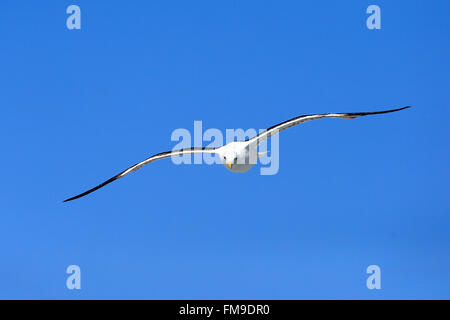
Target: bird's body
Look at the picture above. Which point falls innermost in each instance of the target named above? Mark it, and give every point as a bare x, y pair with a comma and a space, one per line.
237, 156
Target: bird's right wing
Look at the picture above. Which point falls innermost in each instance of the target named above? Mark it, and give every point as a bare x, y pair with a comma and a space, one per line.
137, 166
297, 120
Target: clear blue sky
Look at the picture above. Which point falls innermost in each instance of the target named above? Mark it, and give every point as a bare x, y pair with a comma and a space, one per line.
79, 106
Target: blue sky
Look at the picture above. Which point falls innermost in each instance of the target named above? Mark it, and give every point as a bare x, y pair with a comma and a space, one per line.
79, 106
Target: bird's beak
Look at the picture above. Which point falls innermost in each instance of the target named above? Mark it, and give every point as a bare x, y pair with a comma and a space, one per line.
229, 165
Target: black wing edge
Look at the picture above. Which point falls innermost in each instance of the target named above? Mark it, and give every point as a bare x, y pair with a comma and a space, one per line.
376, 112
356, 114
119, 175
95, 188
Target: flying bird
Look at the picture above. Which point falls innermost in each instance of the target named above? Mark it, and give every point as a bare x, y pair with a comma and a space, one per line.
237, 156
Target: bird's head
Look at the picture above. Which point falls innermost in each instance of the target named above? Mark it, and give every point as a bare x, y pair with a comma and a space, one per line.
229, 160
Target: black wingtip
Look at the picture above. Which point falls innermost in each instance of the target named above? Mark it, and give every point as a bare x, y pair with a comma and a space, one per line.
403, 108
73, 198
95, 188
377, 112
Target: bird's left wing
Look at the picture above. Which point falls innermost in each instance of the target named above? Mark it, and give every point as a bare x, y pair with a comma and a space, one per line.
137, 166
297, 120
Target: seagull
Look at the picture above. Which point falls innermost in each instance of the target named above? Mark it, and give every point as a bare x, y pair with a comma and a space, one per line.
237, 156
